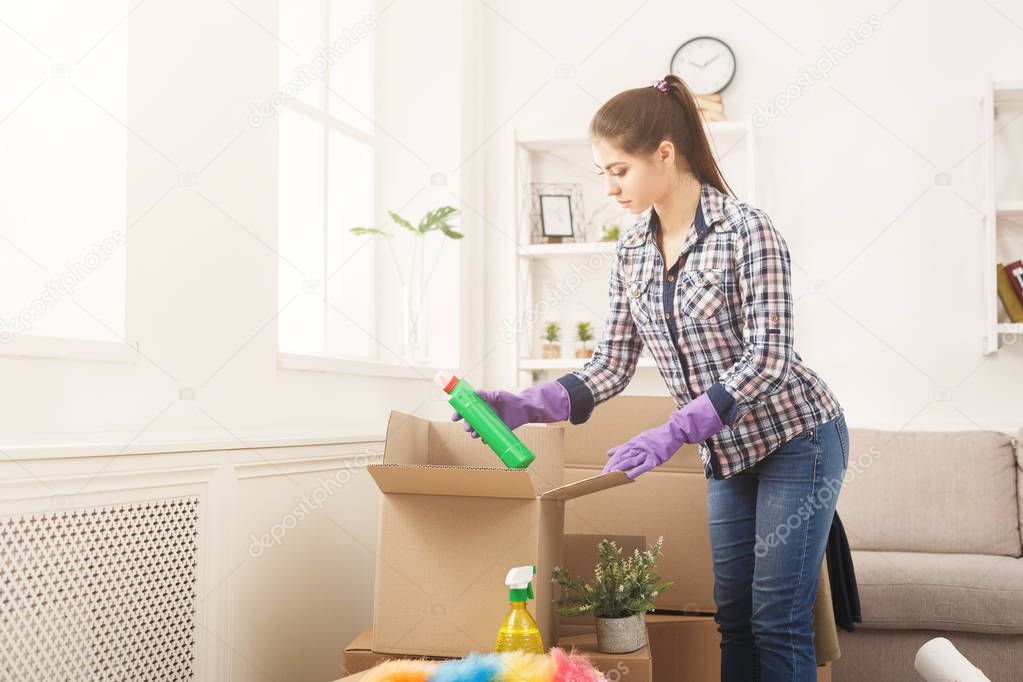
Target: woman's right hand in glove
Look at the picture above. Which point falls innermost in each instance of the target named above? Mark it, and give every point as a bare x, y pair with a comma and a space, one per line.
542, 403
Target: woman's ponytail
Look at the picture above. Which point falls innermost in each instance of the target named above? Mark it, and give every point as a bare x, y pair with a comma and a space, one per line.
638, 120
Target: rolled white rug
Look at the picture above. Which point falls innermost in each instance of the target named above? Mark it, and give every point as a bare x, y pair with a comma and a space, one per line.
939, 661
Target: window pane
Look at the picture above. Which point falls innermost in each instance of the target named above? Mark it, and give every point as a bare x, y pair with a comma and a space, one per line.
301, 67
351, 73
300, 233
349, 257
63, 167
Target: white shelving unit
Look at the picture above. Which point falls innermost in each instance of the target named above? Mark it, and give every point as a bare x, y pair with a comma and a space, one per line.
1000, 214
549, 156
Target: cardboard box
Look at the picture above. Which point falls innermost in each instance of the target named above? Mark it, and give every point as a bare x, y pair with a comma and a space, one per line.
670, 501
672, 505
689, 648
359, 654
635, 666
684, 648
453, 520
616, 421
680, 648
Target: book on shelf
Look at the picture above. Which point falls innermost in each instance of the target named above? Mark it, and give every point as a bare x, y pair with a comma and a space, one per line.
1010, 289
1015, 271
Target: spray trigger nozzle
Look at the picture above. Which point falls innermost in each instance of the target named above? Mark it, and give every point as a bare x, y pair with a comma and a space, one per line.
520, 583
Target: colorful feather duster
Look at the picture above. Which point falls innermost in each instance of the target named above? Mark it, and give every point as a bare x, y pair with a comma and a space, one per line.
512, 666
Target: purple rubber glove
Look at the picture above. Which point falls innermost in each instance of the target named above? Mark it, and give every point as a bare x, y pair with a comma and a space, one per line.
541, 403
695, 422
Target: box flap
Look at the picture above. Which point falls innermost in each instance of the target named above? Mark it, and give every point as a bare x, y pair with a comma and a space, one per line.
450, 445
618, 420
449, 480
405, 439
612, 479
415, 440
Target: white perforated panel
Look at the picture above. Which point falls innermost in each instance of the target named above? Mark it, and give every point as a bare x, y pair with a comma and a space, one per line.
105, 593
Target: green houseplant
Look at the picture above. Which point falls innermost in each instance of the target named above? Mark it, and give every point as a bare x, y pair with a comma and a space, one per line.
414, 287
552, 338
584, 334
622, 591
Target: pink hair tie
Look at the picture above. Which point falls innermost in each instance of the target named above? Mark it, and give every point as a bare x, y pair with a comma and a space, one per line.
661, 85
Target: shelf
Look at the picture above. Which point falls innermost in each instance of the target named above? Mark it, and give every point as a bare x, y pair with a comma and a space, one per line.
999, 213
568, 364
546, 141
1008, 92
561, 250
1010, 209
539, 153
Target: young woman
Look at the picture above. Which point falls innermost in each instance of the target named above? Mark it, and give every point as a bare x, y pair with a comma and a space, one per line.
704, 282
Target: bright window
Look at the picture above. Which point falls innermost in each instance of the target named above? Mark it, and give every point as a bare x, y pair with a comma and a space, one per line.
63, 169
324, 106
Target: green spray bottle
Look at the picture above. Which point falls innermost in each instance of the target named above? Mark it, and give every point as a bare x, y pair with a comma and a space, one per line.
480, 416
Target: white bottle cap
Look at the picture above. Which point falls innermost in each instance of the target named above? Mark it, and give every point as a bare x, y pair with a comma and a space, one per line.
443, 378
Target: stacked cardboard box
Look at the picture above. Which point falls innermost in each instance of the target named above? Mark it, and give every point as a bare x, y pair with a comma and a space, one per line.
670, 501
453, 520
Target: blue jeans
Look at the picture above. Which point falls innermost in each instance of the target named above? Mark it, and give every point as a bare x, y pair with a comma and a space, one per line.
769, 528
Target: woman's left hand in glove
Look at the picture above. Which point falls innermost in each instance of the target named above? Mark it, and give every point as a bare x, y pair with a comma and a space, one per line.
693, 423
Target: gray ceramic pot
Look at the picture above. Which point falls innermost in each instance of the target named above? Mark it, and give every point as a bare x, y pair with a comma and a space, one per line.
621, 635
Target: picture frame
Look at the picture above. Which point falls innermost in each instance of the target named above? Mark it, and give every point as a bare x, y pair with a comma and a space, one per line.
557, 212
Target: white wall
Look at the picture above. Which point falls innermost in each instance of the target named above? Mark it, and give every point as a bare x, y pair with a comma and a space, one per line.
202, 291
847, 175
202, 301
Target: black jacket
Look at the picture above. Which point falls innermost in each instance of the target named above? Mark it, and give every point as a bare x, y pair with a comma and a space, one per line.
845, 597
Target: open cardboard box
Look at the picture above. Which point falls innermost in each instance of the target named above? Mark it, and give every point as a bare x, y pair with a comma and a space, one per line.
453, 520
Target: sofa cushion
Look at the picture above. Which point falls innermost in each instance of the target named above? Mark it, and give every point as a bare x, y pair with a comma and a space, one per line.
917, 590
931, 491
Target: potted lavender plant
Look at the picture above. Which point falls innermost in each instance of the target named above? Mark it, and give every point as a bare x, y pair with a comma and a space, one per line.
621, 593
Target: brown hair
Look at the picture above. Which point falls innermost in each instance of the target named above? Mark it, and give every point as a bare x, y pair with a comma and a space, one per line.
638, 120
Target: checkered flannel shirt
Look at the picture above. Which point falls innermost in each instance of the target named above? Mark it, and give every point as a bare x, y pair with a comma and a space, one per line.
723, 326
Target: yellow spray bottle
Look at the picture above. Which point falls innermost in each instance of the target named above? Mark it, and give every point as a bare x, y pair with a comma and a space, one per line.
519, 631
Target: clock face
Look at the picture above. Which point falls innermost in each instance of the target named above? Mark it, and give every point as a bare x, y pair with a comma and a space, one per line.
706, 65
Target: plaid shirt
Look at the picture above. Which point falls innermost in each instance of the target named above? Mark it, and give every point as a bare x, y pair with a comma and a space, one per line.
723, 326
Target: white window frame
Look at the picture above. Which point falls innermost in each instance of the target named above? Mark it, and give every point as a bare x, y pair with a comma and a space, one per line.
339, 364
41, 346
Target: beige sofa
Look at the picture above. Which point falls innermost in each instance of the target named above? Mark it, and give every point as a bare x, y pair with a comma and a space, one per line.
933, 520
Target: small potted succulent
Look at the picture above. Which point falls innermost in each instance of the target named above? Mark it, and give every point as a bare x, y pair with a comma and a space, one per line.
621, 593
584, 334
609, 233
552, 339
